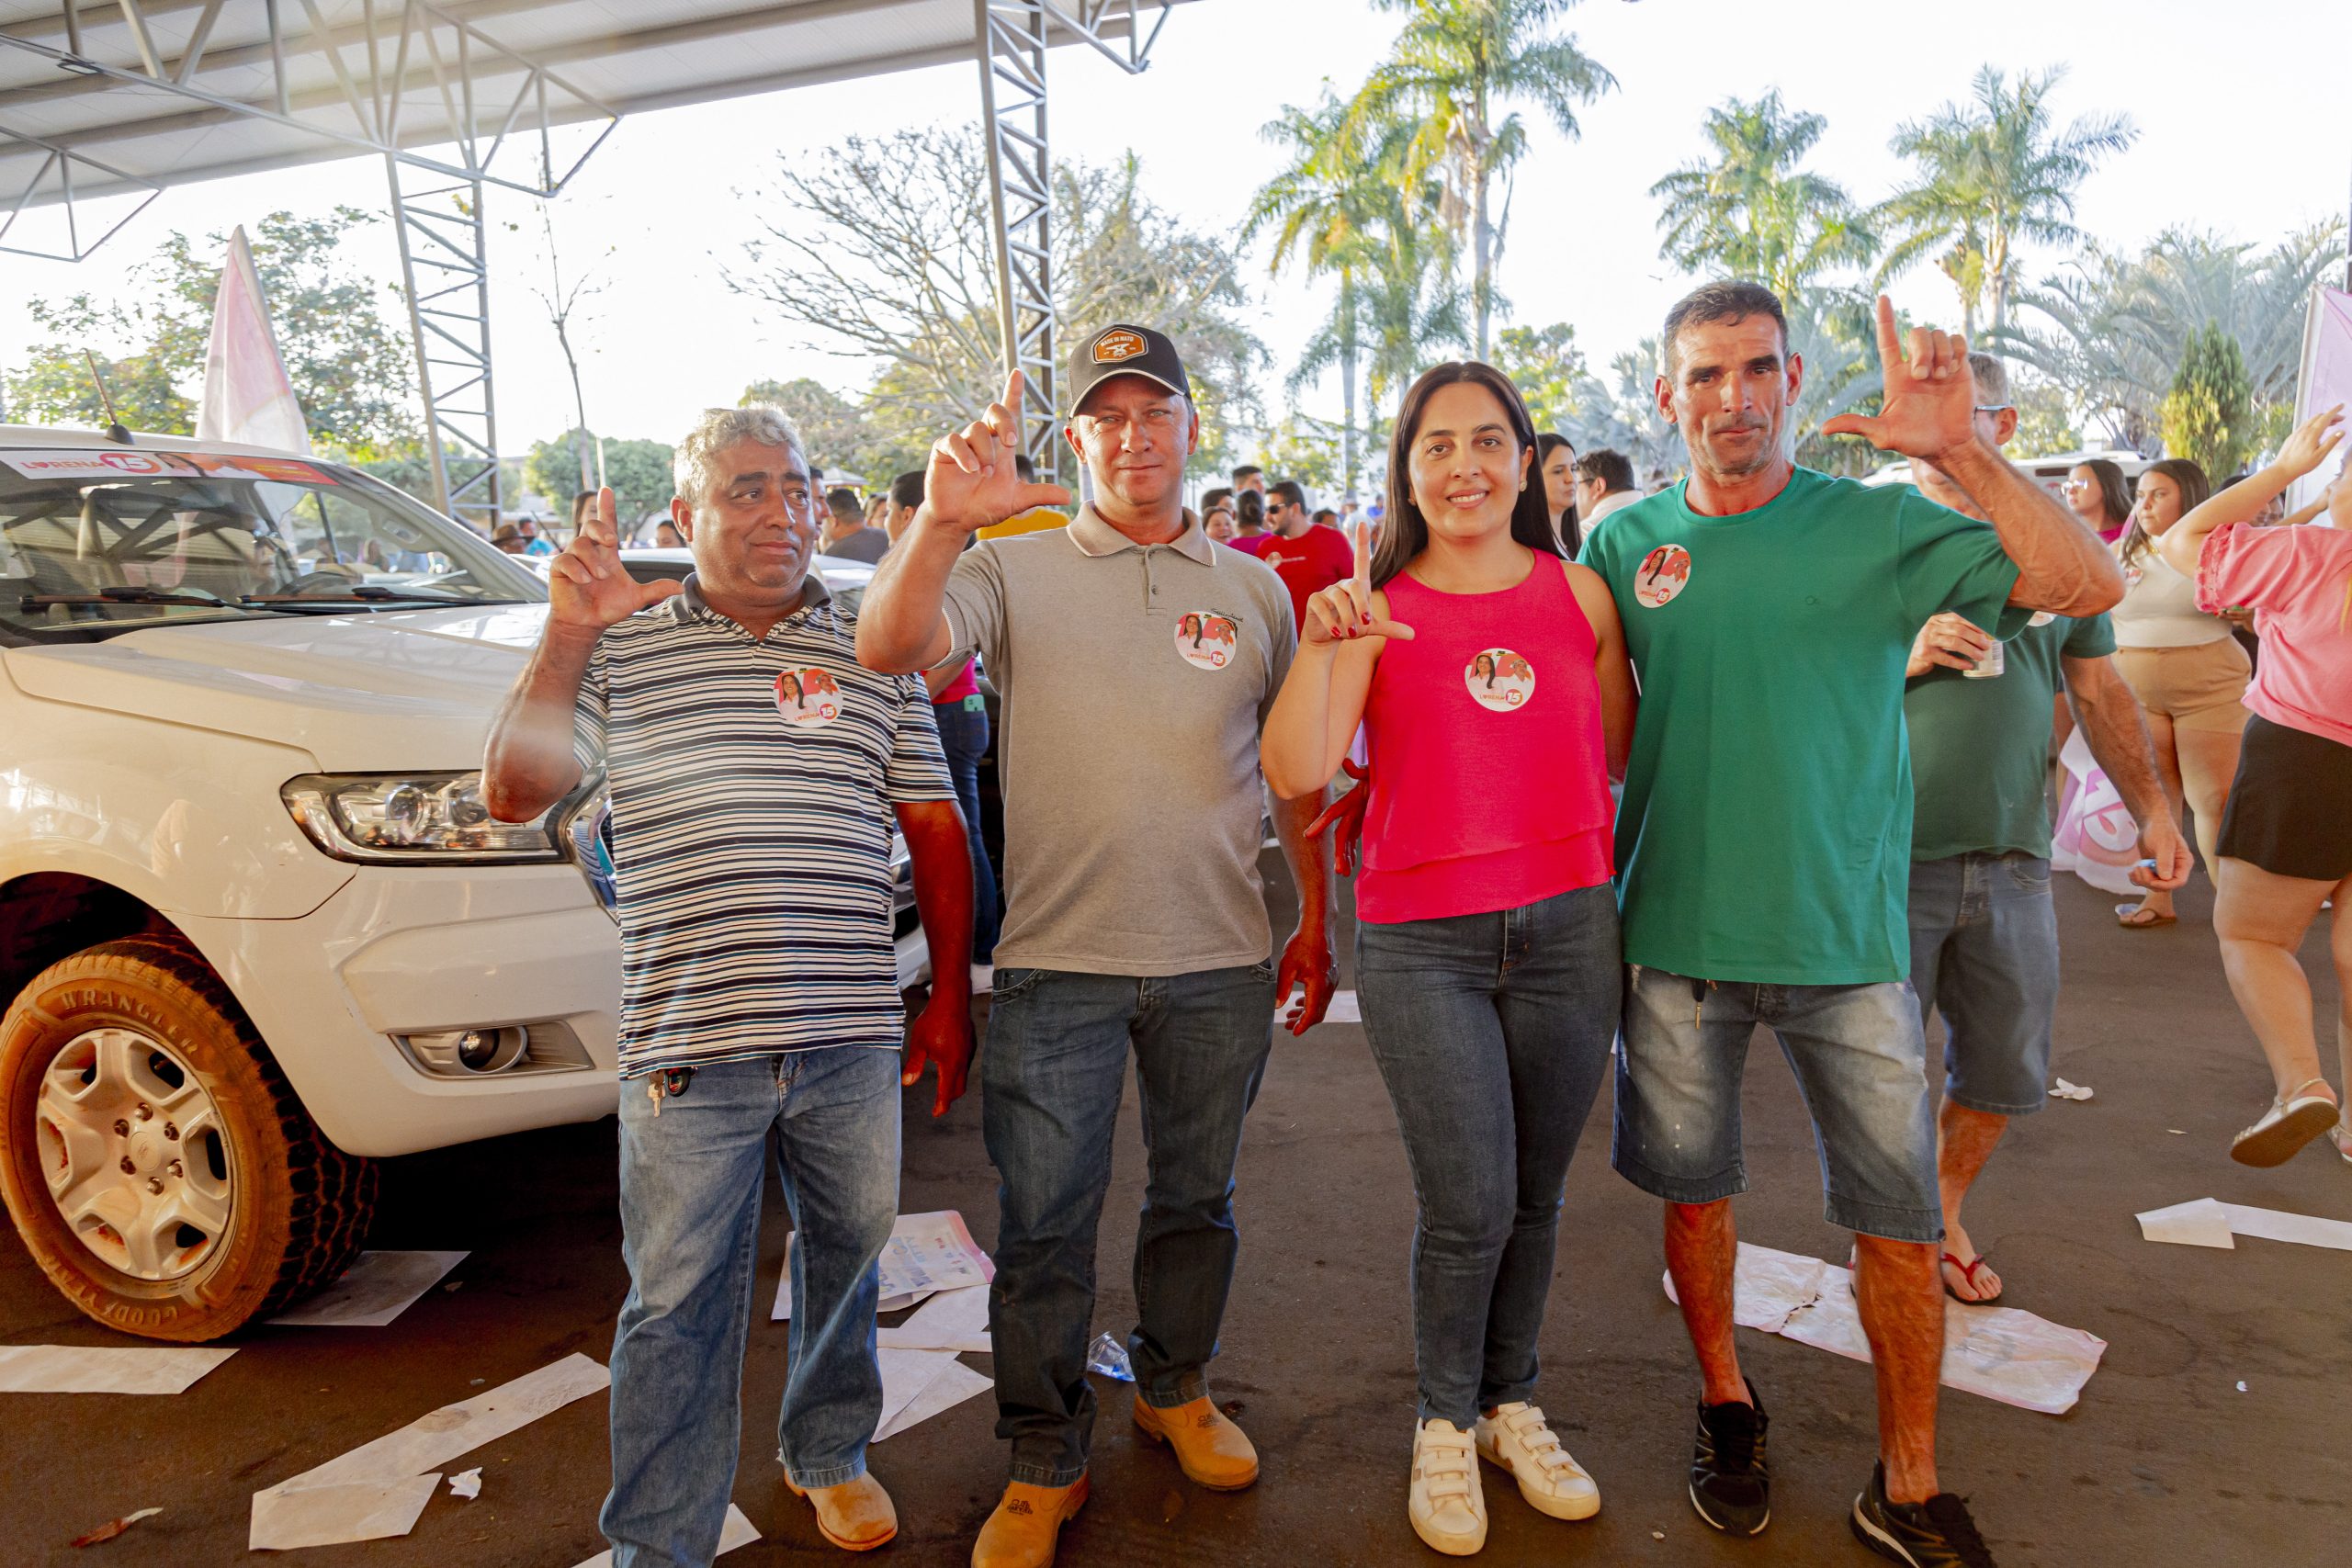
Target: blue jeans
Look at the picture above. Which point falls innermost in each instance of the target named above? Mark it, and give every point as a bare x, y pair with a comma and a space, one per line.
1984, 950
1051, 1078
1493, 1031
964, 737
1860, 1057
690, 1228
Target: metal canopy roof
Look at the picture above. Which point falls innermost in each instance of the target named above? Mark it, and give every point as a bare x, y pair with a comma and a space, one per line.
100, 99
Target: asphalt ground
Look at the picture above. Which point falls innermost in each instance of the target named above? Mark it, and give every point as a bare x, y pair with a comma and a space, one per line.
2166, 1460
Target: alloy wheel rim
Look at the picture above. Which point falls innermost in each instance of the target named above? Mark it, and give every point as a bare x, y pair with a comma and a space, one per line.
134, 1154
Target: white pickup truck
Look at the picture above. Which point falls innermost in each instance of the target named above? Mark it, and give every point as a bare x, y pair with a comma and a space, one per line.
256, 928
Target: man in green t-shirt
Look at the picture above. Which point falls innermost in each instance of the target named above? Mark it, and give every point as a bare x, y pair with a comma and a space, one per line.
1983, 932
1762, 843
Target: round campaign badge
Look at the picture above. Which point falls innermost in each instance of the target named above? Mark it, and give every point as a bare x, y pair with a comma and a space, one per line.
1205, 640
1500, 680
1664, 573
809, 699
2043, 618
2132, 574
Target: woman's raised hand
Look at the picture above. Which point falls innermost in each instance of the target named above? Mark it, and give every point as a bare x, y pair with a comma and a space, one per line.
2313, 439
1345, 611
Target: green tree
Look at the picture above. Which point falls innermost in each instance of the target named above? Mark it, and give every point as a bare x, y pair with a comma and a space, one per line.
351, 368
2209, 414
1749, 211
2109, 328
1452, 71
1992, 173
1324, 208
1306, 449
638, 472
879, 251
834, 429
1546, 365
2045, 417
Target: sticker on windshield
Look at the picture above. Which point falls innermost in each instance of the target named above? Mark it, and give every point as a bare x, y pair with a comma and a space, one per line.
119, 465
809, 699
1205, 640
1500, 680
1664, 573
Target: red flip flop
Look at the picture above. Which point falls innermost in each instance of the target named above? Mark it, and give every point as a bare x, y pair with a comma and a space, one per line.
1967, 1272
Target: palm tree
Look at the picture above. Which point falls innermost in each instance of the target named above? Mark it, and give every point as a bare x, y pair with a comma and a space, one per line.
1323, 207
1452, 69
1993, 172
1750, 211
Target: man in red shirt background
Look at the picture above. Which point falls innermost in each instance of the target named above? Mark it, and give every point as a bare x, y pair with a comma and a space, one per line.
1308, 560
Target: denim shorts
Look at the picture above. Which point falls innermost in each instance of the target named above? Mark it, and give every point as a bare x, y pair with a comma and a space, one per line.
1984, 954
1859, 1058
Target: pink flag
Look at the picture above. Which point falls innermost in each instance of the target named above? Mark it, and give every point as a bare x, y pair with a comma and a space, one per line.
247, 396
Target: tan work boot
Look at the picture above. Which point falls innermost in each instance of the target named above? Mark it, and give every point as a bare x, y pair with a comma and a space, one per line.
1210, 1449
1027, 1523
856, 1516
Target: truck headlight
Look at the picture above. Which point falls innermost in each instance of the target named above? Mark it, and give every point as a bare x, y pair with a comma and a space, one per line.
411, 820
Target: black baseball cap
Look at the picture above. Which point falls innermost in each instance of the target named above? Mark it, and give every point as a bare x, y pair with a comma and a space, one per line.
1125, 349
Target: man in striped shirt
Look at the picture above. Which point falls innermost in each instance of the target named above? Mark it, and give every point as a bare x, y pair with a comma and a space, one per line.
755, 769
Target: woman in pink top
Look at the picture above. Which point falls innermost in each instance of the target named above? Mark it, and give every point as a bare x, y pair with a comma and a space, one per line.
2286, 842
1491, 680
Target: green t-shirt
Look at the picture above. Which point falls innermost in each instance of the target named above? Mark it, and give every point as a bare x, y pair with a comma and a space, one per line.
1980, 749
1765, 833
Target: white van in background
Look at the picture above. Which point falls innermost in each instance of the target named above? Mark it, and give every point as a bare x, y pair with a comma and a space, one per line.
257, 929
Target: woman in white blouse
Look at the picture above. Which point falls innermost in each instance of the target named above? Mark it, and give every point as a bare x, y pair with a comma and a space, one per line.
2188, 672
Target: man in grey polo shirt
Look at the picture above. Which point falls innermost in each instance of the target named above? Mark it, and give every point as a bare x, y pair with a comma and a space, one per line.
1136, 660
756, 770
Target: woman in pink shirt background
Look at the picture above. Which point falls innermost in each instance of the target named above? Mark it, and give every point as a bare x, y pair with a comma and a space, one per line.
2286, 841
1487, 942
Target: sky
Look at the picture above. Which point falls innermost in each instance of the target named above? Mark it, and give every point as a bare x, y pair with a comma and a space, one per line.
2234, 136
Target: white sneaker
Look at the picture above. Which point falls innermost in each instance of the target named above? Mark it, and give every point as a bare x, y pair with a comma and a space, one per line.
1449, 1512
983, 979
1515, 1438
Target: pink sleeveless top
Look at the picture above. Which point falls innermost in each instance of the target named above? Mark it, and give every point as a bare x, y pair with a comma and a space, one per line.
1489, 774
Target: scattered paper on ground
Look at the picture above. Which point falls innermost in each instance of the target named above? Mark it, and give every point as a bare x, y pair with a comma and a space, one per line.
96, 1369
2202, 1221
2198, 1222
114, 1528
379, 1488
2062, 1089
739, 1530
376, 1289
925, 1254
466, 1483
918, 1390
952, 1320
2000, 1352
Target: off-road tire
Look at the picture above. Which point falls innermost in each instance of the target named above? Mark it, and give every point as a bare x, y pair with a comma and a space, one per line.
299, 1206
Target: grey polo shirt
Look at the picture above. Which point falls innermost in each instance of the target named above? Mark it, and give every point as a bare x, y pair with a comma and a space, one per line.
1135, 680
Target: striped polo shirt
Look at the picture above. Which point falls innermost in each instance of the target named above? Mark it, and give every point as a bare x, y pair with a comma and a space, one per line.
752, 783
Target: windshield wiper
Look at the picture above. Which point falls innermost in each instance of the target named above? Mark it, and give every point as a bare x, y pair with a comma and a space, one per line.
367, 593
124, 593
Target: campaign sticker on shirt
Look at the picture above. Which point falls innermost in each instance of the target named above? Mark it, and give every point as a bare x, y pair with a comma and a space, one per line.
1664, 573
2132, 574
808, 698
1500, 680
1205, 640
2042, 617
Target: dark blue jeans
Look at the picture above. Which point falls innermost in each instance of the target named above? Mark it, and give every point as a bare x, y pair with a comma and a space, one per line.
1051, 1078
964, 735
1493, 1032
690, 1232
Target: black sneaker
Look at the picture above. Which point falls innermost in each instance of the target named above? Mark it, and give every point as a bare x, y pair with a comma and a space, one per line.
1730, 1483
1937, 1533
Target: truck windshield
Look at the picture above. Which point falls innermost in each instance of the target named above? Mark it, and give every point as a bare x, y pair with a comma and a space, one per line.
87, 548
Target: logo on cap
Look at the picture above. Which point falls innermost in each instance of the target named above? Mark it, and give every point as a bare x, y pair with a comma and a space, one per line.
1116, 345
